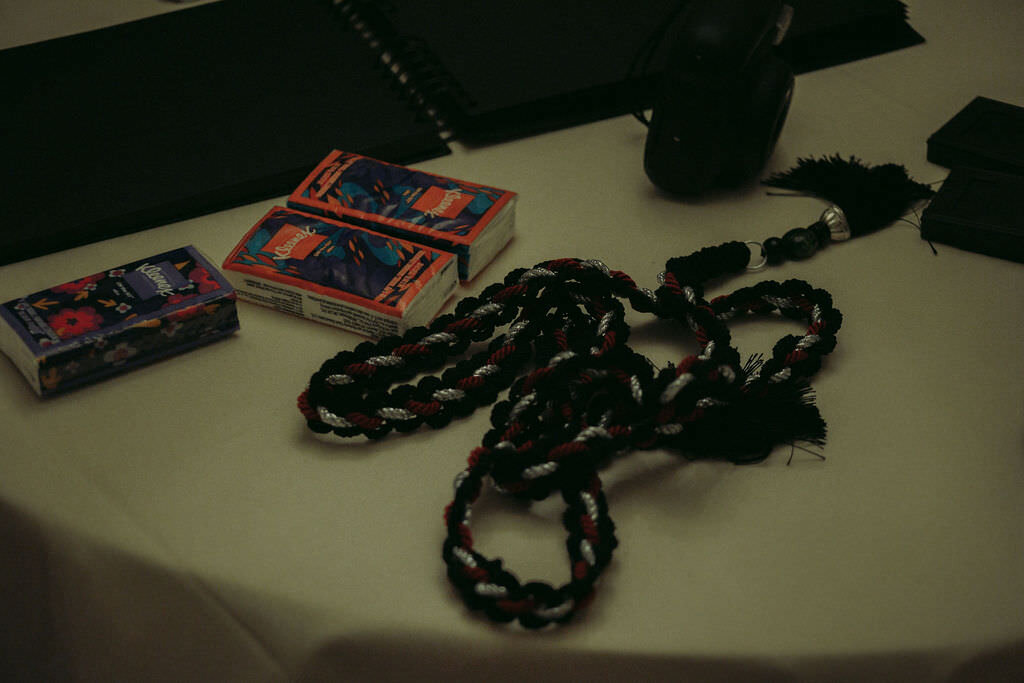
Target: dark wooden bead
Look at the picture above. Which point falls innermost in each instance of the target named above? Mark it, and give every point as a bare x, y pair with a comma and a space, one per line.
821, 232
774, 252
799, 243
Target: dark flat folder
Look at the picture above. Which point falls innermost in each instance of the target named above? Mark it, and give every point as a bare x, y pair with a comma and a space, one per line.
188, 112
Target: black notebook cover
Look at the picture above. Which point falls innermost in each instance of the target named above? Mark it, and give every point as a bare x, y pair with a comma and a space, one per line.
497, 70
192, 111
978, 210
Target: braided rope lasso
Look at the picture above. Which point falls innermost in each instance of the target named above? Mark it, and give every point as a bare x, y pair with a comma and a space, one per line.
588, 396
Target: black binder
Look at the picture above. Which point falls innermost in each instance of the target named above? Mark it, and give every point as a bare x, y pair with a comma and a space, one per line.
193, 111
184, 113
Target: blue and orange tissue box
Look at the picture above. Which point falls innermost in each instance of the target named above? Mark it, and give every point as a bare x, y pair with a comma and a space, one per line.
470, 220
340, 274
78, 332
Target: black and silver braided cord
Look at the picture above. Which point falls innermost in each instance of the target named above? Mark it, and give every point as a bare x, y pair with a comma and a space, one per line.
577, 395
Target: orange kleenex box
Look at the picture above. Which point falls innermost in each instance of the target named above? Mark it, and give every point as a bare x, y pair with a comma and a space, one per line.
472, 221
340, 274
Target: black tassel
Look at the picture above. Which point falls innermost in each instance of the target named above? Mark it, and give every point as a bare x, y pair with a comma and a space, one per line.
872, 197
746, 430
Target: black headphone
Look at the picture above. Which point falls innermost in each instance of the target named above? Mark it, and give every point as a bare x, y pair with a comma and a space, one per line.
724, 96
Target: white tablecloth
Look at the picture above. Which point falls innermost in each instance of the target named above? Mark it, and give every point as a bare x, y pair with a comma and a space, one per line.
180, 522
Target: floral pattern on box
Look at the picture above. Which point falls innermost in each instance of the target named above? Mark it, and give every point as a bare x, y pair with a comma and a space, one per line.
81, 330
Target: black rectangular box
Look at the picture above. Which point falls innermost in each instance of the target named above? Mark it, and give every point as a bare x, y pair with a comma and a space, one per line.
980, 211
985, 134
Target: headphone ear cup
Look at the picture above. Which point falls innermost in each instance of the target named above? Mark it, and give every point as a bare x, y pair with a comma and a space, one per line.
760, 113
704, 136
682, 153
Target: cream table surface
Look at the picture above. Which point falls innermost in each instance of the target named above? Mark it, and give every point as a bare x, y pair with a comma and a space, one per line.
180, 523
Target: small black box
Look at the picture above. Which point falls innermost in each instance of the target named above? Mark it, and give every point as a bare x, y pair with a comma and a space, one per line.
985, 134
980, 211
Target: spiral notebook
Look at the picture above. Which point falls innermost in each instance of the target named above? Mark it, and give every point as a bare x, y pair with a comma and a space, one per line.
200, 109
490, 71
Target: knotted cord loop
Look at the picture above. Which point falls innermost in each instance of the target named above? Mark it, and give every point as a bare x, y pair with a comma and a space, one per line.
586, 397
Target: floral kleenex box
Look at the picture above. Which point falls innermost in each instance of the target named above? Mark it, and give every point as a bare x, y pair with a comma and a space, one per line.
95, 326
